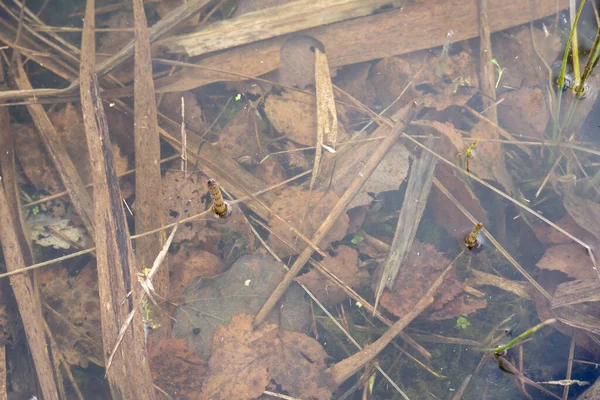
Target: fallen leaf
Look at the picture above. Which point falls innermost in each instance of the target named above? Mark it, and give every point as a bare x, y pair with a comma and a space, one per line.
344, 265
549, 235
59, 233
421, 267
388, 175
177, 369
446, 214
246, 361
171, 107
488, 160
238, 138
294, 115
76, 299
190, 263
524, 112
213, 302
291, 206
34, 159
572, 259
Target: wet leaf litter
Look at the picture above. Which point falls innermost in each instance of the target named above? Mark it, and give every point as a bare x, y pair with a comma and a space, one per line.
314, 167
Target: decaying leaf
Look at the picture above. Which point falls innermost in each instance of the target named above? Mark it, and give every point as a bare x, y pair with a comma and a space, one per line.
245, 362
290, 207
572, 259
344, 265
177, 369
524, 112
171, 107
294, 115
421, 267
549, 235
59, 233
189, 264
243, 288
388, 175
75, 316
238, 138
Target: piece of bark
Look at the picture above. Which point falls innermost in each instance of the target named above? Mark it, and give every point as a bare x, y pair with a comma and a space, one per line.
403, 118
351, 42
3, 395
267, 23
413, 206
149, 213
27, 302
71, 179
129, 375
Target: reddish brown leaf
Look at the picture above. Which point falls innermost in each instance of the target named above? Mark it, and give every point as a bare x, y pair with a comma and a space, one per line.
246, 361
291, 206
177, 369
345, 266
572, 259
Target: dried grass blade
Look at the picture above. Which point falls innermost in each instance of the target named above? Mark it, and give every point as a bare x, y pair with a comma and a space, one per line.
131, 377
149, 207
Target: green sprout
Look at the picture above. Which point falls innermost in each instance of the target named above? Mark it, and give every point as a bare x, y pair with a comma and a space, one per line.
35, 210
499, 69
238, 97
462, 323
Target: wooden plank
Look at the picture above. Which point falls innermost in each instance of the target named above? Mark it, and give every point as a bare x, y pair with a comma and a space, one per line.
417, 26
269, 22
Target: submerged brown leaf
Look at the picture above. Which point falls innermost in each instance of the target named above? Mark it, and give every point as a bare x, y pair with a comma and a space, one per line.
290, 207
177, 369
421, 267
344, 265
245, 362
572, 259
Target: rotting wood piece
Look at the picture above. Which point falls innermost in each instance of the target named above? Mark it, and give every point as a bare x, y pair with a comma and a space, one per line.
129, 375
149, 213
269, 22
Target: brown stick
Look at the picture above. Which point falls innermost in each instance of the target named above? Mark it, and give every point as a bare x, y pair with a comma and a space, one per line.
149, 213
3, 395
486, 68
26, 301
349, 366
340, 207
68, 172
129, 377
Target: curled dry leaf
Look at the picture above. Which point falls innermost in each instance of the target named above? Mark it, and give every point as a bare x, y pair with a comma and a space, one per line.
177, 369
293, 114
242, 289
344, 265
291, 206
572, 259
421, 267
245, 362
